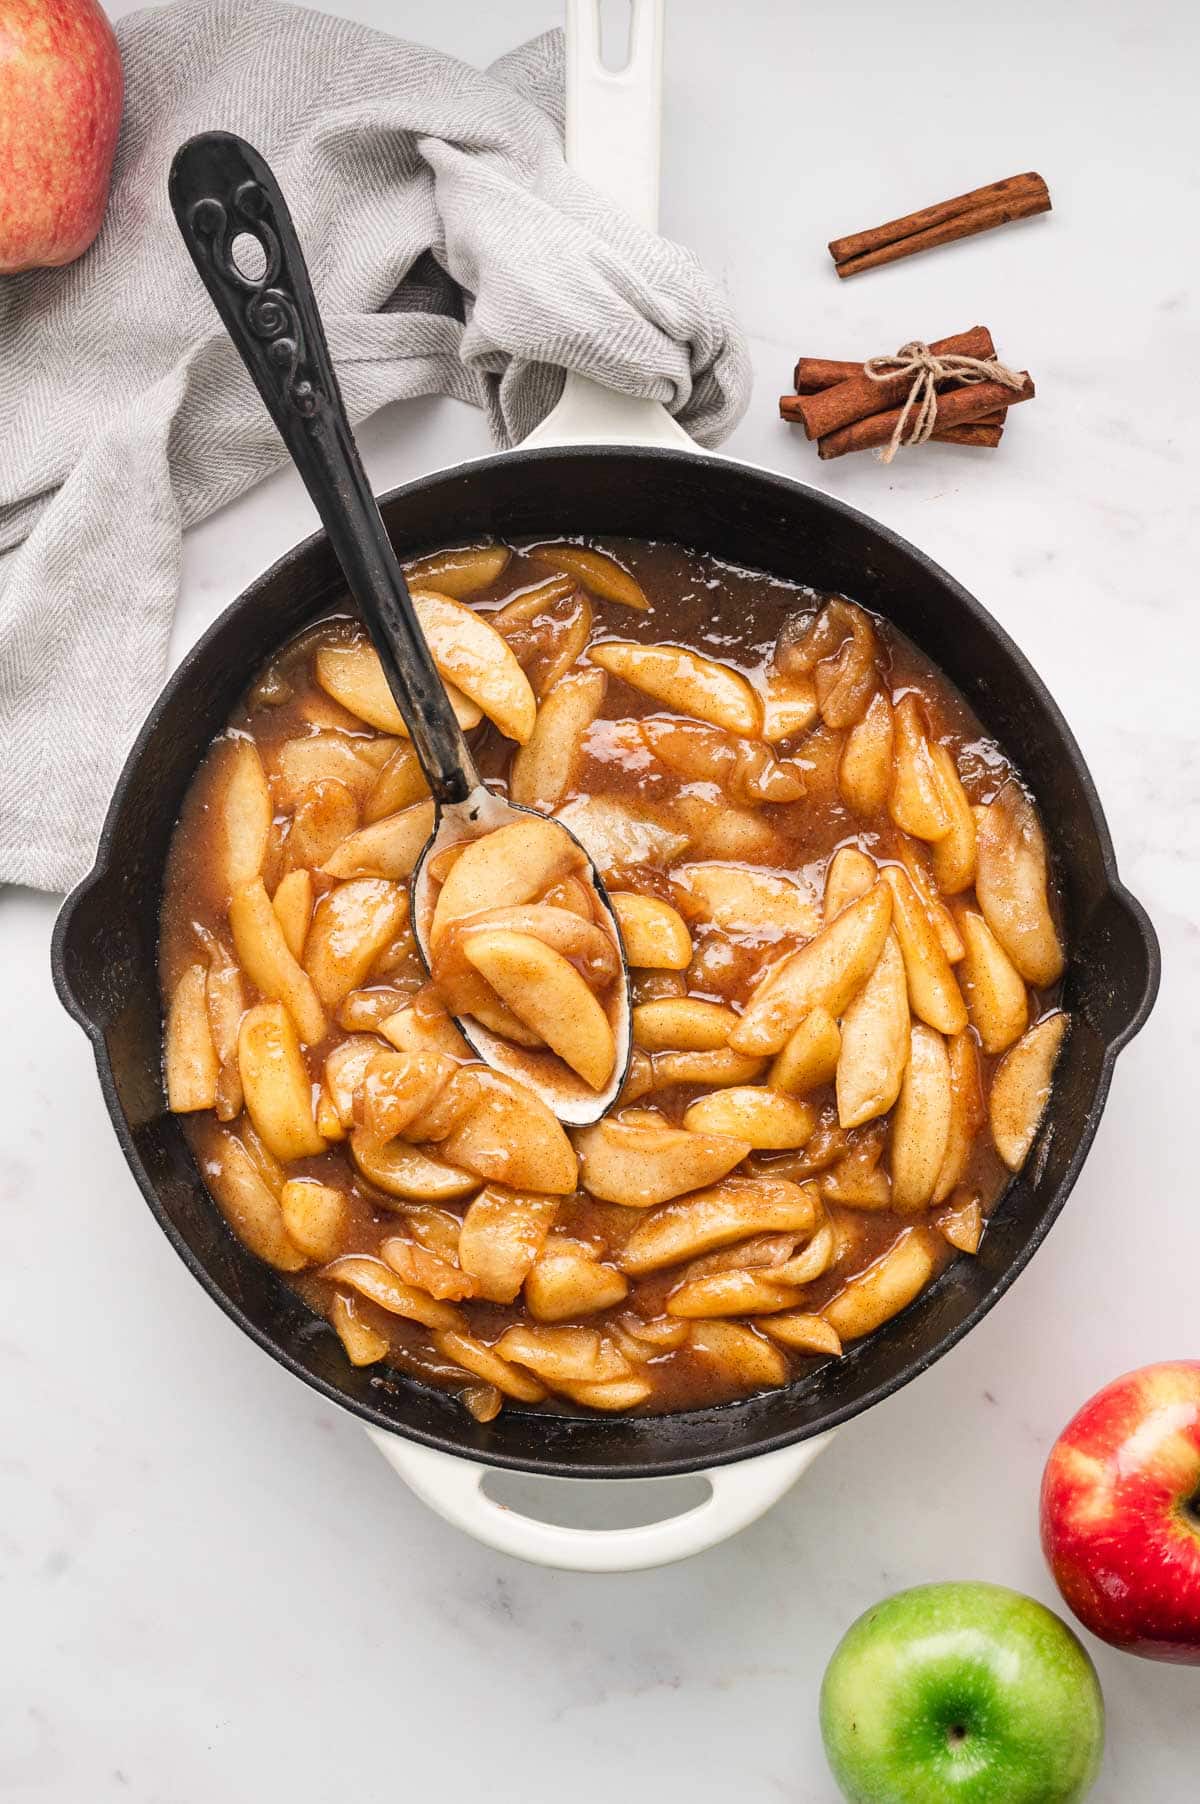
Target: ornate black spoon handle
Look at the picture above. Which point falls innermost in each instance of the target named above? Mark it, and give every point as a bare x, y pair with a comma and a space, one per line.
220, 190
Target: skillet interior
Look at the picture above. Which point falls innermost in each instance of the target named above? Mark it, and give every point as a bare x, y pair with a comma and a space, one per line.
105, 944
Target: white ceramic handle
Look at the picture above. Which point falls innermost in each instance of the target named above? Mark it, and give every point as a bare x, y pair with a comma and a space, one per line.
614, 132
740, 1494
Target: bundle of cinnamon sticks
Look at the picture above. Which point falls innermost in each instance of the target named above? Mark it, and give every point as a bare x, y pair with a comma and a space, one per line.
845, 409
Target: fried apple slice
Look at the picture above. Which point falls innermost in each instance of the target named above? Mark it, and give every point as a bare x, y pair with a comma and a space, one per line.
353, 675
504, 869
851, 873
616, 835
993, 988
682, 1024
802, 1333
730, 1293
758, 904
568, 1280
921, 878
741, 1356
966, 1113
482, 1361
884, 1289
315, 1216
472, 655
916, 802
427, 1270
564, 1355
623, 1162
508, 1136
596, 571
766, 1119
345, 1068
932, 991
543, 770
247, 1201
875, 1041
225, 996
396, 1088
1012, 884
244, 813
364, 1346
619, 1394
461, 572
399, 784
405, 1171
921, 1123
351, 925
685, 682
298, 764
326, 814
190, 1060
810, 1057
502, 1234
838, 647
655, 935
530, 605
961, 1222
293, 905
372, 1279
789, 706
276, 1084
730, 1211
954, 853
547, 993
565, 932
865, 766
824, 974
723, 1066
387, 848
264, 956
1021, 1088
425, 1026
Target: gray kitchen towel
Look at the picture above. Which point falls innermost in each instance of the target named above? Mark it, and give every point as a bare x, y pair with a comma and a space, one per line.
452, 252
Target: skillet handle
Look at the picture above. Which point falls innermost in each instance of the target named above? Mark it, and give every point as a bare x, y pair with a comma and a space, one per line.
223, 194
614, 132
739, 1494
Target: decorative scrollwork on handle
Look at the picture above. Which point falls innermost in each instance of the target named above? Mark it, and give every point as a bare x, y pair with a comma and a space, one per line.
269, 311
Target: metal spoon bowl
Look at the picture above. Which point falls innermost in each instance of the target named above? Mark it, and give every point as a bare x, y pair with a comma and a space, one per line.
222, 191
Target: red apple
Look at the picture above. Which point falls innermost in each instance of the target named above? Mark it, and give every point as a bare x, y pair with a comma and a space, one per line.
1121, 1512
60, 110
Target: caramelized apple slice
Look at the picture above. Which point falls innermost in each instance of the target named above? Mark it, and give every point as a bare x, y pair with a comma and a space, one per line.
992, 987
966, 1113
685, 682
461, 572
728, 1212
758, 904
884, 1289
502, 1234
547, 993
851, 873
469, 651
865, 767
387, 848
739, 1355
276, 1084
507, 1135
932, 990
504, 869
824, 974
767, 1119
682, 1024
595, 571
1012, 885
543, 770
350, 928
954, 853
916, 801
244, 812
190, 1057
265, 958
316, 1217
875, 1041
1021, 1088
353, 675
921, 1123
639, 1166
568, 1280
810, 1057
247, 1201
655, 934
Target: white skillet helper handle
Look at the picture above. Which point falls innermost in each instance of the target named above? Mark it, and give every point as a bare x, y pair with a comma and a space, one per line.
613, 130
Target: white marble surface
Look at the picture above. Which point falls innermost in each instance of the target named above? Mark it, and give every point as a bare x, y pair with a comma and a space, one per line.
214, 1588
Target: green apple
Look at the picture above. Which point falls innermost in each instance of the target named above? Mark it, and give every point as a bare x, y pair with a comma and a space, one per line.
962, 1694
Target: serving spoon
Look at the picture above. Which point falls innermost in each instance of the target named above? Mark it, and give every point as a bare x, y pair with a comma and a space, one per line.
224, 195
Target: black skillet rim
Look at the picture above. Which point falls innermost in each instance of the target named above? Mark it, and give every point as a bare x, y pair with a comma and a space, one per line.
908, 1370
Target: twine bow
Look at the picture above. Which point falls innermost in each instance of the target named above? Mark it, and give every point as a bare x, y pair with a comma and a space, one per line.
926, 369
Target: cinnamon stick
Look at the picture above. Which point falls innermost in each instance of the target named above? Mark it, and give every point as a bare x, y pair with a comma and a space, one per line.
830, 408
812, 374
985, 437
958, 407
979, 210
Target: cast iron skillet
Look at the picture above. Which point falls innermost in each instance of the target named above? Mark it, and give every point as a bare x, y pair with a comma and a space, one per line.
106, 938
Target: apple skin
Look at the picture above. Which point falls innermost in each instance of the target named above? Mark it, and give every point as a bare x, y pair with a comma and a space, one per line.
60, 111
1121, 1512
962, 1693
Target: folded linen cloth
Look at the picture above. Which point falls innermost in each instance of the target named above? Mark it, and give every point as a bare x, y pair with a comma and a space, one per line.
452, 252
